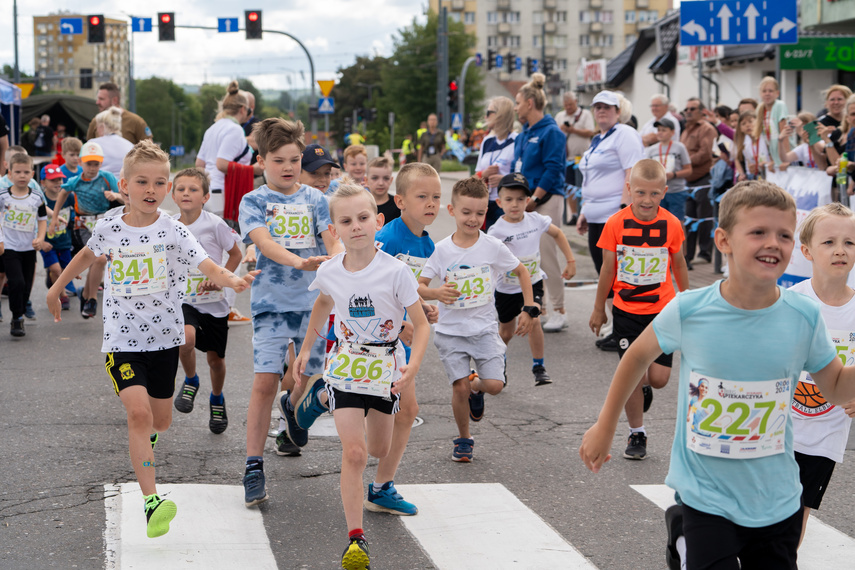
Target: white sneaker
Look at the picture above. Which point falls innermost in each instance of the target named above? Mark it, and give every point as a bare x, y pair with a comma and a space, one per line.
606, 329
556, 322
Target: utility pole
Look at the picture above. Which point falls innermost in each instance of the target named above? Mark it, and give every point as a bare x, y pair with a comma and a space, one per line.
442, 68
15, 26
461, 89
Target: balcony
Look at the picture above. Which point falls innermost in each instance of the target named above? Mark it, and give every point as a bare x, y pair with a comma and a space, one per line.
459, 5
643, 4
550, 51
503, 4
596, 51
504, 28
596, 27
550, 4
596, 4
550, 28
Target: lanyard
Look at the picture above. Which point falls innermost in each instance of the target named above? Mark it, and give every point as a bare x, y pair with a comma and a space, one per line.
767, 128
667, 151
755, 146
596, 142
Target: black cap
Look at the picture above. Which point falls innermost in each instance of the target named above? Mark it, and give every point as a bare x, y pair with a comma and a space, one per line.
667, 123
315, 156
515, 180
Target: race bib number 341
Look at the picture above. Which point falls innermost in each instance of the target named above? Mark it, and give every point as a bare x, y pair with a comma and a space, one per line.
291, 225
362, 369
475, 286
737, 420
138, 270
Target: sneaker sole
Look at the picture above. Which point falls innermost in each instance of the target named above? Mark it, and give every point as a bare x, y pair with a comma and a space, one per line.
305, 396
257, 501
297, 453
542, 382
218, 427
158, 524
375, 508
461, 459
635, 457
355, 559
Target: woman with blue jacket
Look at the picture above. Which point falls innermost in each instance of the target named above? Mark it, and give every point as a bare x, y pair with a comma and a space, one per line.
539, 154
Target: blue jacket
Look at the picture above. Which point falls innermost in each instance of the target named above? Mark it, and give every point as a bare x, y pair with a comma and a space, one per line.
542, 147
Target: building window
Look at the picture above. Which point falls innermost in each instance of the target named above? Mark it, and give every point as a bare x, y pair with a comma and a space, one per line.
557, 41
584, 40
70, 61
492, 41
537, 17
453, 16
652, 16
492, 17
629, 16
469, 18
585, 17
535, 41
41, 28
561, 65
512, 17
512, 41
559, 17
606, 17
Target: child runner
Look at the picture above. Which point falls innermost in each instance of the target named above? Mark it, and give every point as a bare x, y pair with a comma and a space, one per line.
71, 155
24, 221
205, 307
674, 157
354, 163
520, 231
316, 167
143, 326
821, 429
741, 497
56, 250
468, 263
642, 246
378, 180
288, 222
370, 291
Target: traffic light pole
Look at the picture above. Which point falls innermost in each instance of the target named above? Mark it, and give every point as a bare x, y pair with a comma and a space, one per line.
442, 68
461, 84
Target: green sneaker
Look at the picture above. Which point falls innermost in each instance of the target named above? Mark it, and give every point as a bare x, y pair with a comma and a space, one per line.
158, 514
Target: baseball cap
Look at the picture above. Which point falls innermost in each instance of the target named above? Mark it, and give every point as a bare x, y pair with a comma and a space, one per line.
315, 156
607, 97
91, 151
51, 171
667, 123
515, 180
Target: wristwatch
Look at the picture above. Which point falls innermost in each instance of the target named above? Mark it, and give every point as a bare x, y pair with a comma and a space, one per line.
532, 310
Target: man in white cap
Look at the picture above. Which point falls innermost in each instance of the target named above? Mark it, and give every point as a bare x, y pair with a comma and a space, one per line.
659, 108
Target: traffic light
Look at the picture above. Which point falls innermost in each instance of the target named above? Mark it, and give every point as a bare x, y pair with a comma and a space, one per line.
371, 114
530, 66
95, 23
547, 67
452, 94
510, 62
166, 26
348, 124
491, 59
253, 24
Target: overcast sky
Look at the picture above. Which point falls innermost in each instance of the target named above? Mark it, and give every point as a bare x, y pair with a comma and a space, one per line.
334, 31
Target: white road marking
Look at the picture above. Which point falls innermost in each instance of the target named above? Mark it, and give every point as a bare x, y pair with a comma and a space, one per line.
212, 529
823, 548
506, 532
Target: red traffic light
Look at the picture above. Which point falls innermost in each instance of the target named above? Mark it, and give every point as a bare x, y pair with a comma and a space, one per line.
165, 18
94, 20
252, 16
452, 85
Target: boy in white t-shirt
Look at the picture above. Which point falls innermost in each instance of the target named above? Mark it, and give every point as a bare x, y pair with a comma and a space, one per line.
205, 307
520, 231
468, 264
148, 253
367, 371
821, 429
675, 159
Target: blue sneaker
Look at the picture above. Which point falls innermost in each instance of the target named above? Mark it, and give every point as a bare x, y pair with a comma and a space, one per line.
388, 500
309, 407
476, 406
29, 312
462, 450
298, 435
255, 491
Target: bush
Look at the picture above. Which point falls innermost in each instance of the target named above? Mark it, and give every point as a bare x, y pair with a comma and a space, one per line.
453, 166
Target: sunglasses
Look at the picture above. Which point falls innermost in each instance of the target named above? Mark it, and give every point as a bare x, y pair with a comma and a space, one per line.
491, 112
691, 109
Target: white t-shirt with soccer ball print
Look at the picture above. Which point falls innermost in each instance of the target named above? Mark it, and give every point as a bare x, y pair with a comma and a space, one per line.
145, 281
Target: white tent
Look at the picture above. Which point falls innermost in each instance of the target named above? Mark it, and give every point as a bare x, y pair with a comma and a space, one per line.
10, 108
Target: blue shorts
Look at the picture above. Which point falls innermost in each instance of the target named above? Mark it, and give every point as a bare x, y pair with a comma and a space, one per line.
675, 202
271, 334
61, 256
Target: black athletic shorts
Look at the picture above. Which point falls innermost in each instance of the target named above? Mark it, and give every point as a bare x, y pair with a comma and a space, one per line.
212, 333
155, 370
814, 473
628, 327
509, 305
340, 399
715, 543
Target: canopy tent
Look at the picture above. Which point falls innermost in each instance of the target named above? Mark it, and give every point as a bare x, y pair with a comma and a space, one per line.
10, 108
73, 111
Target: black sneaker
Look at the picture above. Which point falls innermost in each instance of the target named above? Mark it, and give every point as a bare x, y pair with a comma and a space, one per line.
636, 446
286, 447
90, 309
674, 526
476, 406
296, 434
219, 419
355, 556
18, 327
541, 378
648, 396
608, 344
185, 397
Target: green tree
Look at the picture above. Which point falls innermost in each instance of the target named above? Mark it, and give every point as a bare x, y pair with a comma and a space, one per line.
209, 98
352, 92
172, 114
247, 85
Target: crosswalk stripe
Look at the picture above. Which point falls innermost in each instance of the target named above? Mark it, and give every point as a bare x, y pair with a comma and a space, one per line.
823, 548
508, 532
212, 529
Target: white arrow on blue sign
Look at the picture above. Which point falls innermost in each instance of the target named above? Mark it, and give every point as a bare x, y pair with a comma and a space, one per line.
71, 26
733, 22
326, 106
140, 24
176, 150
226, 25
518, 63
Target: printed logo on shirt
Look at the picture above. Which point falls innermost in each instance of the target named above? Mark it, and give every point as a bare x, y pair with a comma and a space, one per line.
361, 306
508, 239
126, 371
534, 140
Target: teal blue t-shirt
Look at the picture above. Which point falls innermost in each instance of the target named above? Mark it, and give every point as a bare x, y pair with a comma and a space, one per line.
740, 474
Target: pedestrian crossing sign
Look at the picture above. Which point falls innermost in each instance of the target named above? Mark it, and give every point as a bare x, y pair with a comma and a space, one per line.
456, 121
326, 106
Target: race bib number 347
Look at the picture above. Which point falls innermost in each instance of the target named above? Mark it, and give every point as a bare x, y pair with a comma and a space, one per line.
362, 369
291, 225
138, 270
20, 219
737, 420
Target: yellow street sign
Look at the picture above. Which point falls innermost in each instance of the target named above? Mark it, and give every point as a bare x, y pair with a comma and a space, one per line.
26, 89
326, 86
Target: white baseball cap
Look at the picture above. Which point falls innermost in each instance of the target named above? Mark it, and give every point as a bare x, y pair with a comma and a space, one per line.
91, 151
607, 97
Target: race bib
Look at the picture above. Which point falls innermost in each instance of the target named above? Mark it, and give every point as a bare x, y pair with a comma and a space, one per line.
292, 225
474, 284
20, 218
137, 270
642, 265
431, 150
193, 296
62, 224
87, 222
737, 420
362, 369
808, 401
530, 262
518, 165
416, 264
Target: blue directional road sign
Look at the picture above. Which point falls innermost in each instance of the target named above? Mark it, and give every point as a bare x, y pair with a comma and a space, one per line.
226, 25
71, 26
499, 61
456, 121
140, 24
176, 150
518, 63
731, 22
326, 106
478, 59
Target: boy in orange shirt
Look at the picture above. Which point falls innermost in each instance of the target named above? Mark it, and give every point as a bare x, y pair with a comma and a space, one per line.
642, 247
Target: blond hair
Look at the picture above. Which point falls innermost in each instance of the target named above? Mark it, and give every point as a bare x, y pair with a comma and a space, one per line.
196, 173
503, 124
752, 194
272, 134
761, 108
650, 170
348, 188
111, 119
534, 90
410, 173
381, 162
739, 136
144, 151
472, 187
71, 144
233, 102
842, 88
809, 224
845, 126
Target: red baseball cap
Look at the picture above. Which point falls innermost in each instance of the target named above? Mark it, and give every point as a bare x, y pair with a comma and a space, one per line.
51, 171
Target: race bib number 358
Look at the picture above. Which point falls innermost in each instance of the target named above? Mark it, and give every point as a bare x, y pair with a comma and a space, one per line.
138, 270
362, 369
291, 225
475, 286
737, 420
